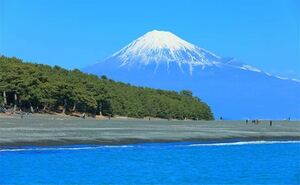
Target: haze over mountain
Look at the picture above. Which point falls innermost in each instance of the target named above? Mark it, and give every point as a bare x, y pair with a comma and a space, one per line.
233, 89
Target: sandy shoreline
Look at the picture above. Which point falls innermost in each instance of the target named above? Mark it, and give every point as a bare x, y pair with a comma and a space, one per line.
17, 144
65, 116
49, 130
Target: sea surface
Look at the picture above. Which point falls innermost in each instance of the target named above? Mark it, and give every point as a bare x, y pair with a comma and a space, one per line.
253, 162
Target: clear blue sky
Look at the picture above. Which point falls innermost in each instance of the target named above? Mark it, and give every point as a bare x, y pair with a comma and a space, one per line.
76, 33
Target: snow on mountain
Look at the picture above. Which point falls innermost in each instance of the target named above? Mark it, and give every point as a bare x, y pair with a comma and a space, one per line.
234, 90
162, 46
157, 47
233, 62
296, 80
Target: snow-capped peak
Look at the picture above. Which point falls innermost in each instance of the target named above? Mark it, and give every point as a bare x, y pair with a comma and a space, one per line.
156, 40
163, 46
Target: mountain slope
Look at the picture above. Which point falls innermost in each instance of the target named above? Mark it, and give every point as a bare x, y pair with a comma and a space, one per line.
233, 89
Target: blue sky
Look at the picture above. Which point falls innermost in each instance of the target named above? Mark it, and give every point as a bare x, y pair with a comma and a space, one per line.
74, 34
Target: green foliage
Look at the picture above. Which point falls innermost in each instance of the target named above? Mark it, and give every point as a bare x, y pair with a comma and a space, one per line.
54, 88
186, 93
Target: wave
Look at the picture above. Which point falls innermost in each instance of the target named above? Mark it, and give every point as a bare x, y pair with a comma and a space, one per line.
244, 143
62, 148
142, 146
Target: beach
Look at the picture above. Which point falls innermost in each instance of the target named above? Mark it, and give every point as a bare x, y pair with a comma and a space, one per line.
49, 130
61, 149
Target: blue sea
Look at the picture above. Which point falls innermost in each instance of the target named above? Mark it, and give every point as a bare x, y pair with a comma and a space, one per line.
254, 162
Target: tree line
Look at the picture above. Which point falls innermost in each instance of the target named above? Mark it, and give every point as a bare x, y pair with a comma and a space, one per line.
42, 88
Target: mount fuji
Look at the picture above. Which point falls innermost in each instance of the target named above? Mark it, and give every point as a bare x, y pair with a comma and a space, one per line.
233, 89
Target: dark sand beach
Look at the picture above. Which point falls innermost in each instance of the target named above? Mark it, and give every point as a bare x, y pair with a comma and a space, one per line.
44, 130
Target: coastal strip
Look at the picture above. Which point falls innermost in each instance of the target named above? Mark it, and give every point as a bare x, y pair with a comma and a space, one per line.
57, 131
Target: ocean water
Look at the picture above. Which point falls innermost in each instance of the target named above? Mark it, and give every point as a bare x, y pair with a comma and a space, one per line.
259, 162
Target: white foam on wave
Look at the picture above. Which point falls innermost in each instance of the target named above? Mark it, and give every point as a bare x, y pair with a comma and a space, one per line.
129, 146
62, 148
244, 143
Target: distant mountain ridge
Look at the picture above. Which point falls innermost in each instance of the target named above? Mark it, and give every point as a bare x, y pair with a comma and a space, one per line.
234, 90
